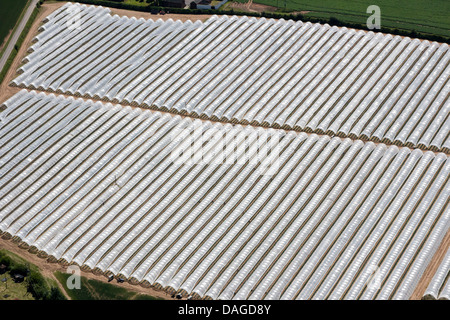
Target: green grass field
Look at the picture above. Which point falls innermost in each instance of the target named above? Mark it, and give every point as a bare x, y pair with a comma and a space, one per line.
18, 291
98, 290
423, 16
13, 291
10, 11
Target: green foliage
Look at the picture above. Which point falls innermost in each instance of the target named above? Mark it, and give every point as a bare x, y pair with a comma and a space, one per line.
75, 294
139, 3
14, 266
145, 297
97, 290
55, 294
429, 17
337, 17
40, 290
35, 284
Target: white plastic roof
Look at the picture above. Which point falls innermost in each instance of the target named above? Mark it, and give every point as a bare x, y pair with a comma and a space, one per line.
280, 74
95, 184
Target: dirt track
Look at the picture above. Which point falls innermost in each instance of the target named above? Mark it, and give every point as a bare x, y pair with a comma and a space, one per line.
252, 7
47, 269
147, 15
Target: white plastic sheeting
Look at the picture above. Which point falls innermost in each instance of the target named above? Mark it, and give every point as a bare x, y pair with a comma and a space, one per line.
301, 76
438, 287
97, 185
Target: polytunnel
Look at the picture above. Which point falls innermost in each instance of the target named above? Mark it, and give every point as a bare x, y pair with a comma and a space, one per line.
149, 197
264, 72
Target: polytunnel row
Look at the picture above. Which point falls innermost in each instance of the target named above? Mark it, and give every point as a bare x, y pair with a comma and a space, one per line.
94, 184
70, 17
439, 287
271, 73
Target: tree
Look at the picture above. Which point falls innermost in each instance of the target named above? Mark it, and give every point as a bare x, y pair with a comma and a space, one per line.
18, 269
334, 21
36, 286
4, 259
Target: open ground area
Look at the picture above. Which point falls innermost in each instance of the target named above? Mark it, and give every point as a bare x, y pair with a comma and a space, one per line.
11, 289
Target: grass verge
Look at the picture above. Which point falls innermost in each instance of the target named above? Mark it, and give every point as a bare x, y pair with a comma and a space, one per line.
91, 289
334, 18
34, 287
6, 43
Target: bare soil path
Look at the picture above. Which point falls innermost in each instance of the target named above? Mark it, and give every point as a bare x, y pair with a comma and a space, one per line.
47, 269
251, 7
7, 91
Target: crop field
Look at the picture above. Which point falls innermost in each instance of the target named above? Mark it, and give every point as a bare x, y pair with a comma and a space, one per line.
279, 74
420, 15
237, 158
10, 11
136, 2
439, 287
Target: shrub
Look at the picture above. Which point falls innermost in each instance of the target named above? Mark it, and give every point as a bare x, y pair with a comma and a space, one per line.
37, 286
55, 294
4, 259
334, 21
18, 269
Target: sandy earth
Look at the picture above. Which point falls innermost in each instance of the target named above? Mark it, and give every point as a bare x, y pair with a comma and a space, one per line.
6, 39
301, 12
47, 269
5, 90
